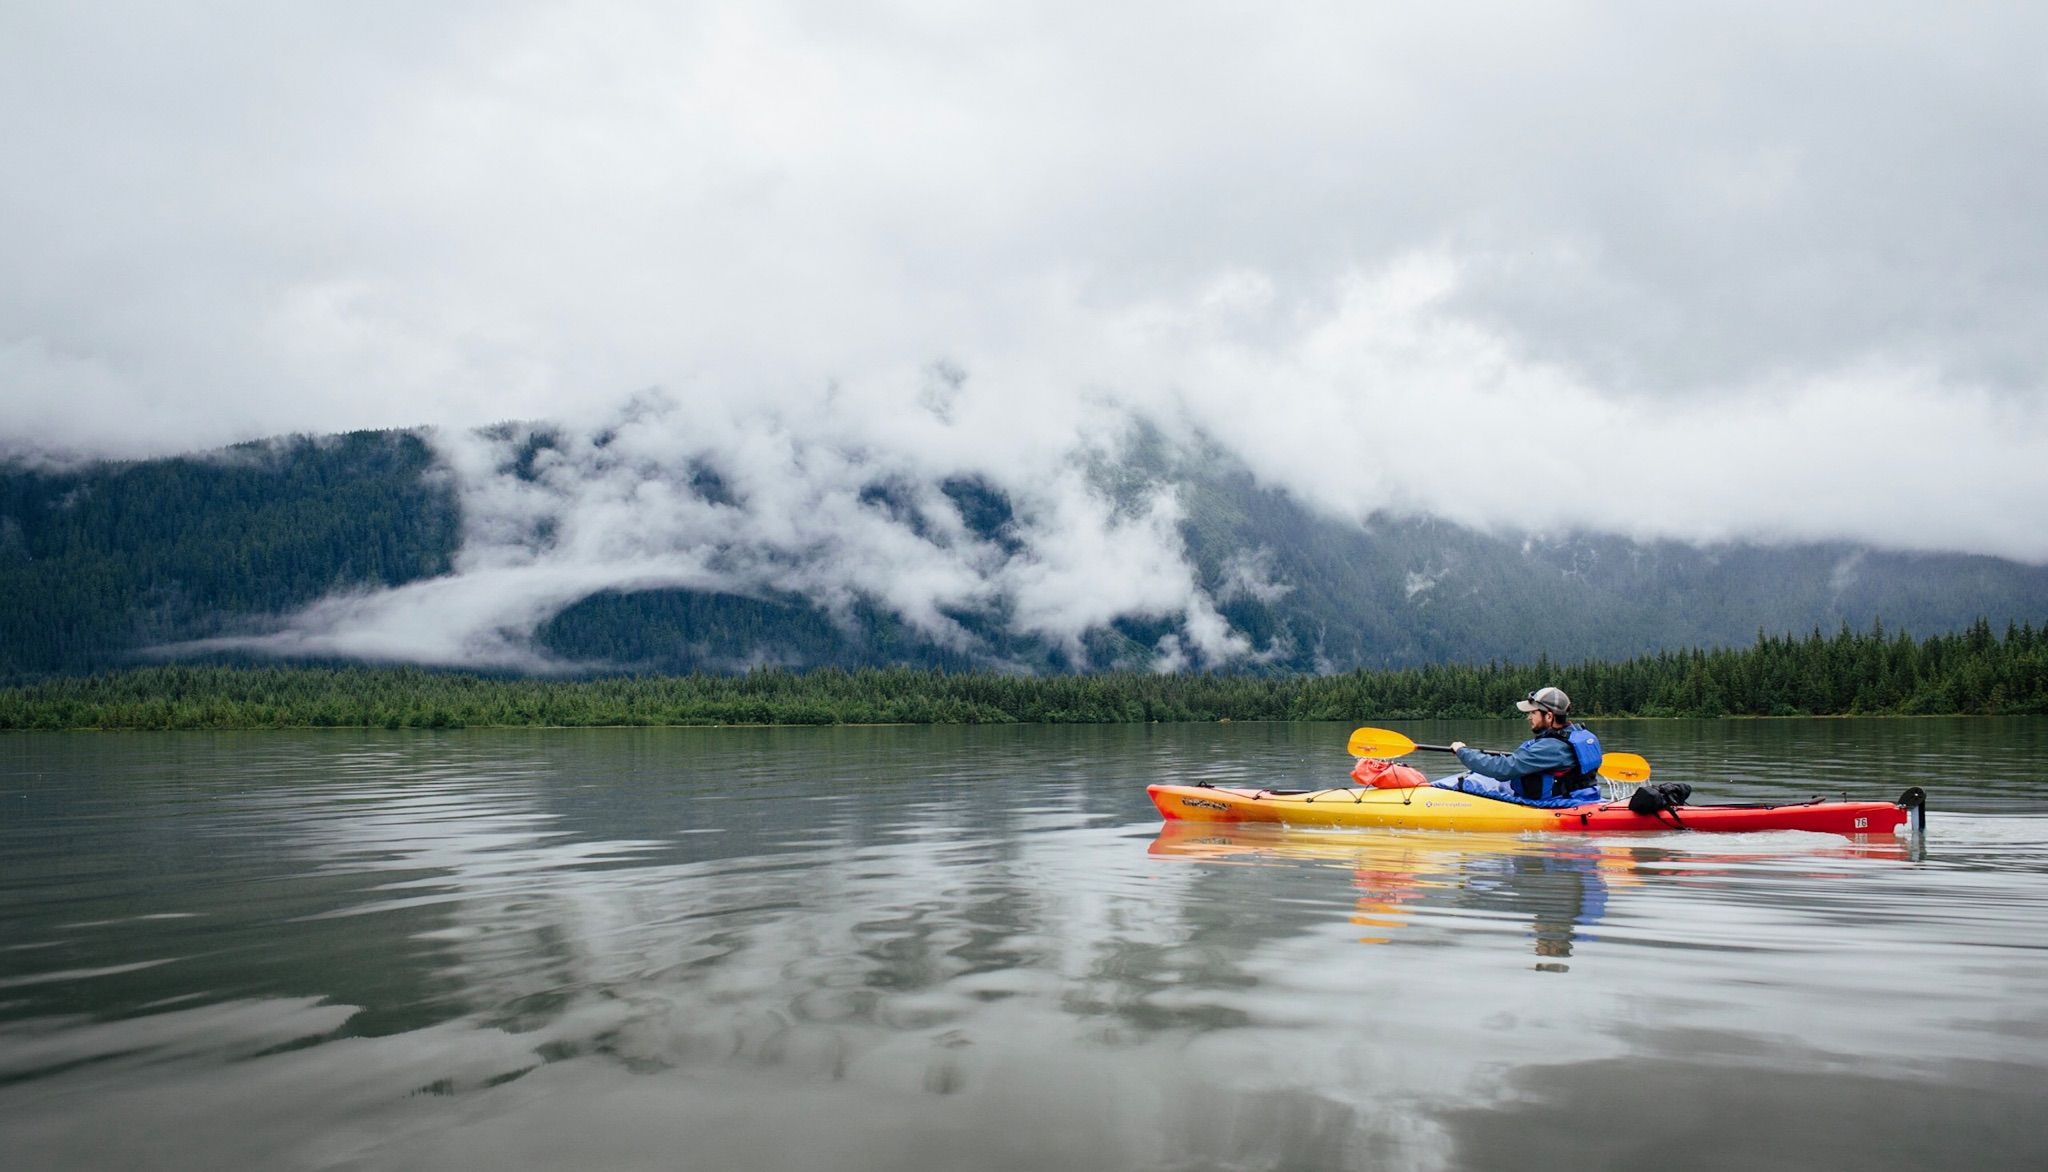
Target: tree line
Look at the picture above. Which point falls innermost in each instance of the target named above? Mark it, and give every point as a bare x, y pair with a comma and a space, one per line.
1976, 671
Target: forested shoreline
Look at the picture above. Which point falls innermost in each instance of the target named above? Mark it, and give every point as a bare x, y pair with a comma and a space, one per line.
1850, 673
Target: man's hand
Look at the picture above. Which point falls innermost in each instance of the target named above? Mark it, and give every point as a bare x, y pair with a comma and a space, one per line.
1457, 746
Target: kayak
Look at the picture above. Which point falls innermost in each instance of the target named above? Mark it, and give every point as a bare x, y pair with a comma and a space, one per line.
1428, 807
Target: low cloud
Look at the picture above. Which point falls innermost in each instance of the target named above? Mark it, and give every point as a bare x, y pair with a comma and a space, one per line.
1385, 403
815, 504
1389, 399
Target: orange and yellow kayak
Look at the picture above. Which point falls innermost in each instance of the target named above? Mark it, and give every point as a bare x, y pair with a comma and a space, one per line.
1428, 807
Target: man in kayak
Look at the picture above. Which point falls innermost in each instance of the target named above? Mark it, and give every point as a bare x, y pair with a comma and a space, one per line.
1559, 760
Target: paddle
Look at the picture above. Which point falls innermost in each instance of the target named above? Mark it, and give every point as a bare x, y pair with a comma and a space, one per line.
1382, 742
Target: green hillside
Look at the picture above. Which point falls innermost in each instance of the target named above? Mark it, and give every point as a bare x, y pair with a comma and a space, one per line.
99, 562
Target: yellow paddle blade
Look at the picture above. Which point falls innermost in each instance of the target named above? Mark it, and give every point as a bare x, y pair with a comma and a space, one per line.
1381, 742
1624, 767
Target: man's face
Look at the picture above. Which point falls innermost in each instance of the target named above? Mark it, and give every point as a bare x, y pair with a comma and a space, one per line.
1538, 720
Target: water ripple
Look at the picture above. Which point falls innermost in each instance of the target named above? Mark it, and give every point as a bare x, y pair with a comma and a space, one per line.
302, 950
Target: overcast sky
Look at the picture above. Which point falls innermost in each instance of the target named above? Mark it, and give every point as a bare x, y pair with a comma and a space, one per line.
1700, 271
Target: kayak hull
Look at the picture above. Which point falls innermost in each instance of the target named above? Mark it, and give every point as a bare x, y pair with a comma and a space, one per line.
1443, 809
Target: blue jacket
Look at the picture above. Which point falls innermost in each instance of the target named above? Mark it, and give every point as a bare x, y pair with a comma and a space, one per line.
1541, 755
1531, 767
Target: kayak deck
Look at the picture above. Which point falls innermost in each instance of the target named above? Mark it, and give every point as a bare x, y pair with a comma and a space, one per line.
1445, 809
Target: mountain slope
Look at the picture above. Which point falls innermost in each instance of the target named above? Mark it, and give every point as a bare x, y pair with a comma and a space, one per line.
100, 564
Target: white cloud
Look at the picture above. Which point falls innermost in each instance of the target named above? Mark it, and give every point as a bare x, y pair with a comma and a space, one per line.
819, 505
1391, 400
1610, 267
1250, 573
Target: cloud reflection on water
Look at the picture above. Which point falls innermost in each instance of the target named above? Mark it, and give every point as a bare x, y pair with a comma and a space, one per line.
534, 950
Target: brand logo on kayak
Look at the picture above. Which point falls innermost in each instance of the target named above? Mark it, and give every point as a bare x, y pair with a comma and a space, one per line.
1862, 823
1203, 804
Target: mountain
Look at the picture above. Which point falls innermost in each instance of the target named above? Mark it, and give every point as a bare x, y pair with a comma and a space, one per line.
107, 564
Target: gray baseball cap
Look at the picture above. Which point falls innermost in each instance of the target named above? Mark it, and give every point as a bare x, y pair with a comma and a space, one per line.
1550, 700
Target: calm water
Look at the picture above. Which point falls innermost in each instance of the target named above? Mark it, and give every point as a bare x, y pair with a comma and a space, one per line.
914, 948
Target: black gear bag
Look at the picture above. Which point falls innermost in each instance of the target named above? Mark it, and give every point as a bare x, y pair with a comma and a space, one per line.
1659, 798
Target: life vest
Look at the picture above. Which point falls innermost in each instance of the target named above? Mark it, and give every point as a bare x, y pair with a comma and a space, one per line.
1557, 783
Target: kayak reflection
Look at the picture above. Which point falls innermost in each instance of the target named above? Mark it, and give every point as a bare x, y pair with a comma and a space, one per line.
1560, 887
